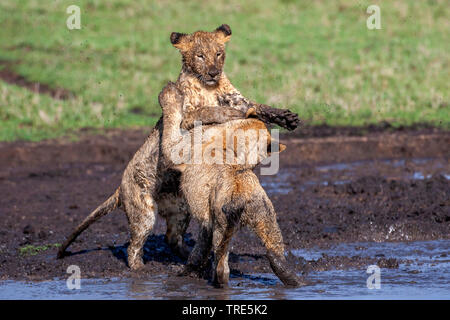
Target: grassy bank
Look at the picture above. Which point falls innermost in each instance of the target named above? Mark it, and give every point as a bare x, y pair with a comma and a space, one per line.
317, 58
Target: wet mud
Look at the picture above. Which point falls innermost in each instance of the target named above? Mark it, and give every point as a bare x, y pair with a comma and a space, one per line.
380, 187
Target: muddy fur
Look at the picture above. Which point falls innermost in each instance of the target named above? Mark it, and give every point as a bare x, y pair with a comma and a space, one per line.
147, 187
223, 196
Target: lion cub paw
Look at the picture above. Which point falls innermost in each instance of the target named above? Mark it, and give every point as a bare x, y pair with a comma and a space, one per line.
170, 96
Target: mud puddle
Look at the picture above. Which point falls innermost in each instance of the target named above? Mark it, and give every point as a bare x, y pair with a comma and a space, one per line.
287, 179
423, 273
343, 203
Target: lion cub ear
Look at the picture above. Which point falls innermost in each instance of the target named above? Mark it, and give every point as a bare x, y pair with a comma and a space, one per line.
223, 33
179, 40
281, 147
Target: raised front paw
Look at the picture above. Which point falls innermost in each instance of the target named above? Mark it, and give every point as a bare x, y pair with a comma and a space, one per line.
170, 95
281, 117
290, 119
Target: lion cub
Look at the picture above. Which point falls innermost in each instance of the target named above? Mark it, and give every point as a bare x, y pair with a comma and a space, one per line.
147, 187
223, 194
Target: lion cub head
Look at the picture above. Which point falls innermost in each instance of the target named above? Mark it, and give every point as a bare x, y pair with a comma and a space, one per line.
203, 53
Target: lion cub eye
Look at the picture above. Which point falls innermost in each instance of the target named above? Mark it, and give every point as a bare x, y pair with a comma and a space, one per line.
200, 56
219, 54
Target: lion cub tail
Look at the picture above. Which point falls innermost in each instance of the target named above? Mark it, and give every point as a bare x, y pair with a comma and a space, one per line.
105, 208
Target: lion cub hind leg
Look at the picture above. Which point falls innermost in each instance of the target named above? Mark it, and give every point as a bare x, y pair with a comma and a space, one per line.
226, 222
141, 212
198, 257
260, 216
174, 210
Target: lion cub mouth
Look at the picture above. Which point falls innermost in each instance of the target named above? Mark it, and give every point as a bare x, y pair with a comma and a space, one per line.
211, 82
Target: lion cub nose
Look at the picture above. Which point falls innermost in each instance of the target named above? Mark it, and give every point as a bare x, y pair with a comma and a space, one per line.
213, 72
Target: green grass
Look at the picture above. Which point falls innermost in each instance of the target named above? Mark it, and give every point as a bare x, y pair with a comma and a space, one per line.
314, 57
31, 250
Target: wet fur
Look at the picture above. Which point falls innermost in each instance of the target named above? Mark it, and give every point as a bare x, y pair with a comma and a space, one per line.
147, 186
221, 197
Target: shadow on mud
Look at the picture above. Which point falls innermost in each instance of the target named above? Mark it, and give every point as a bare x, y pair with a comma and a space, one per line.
156, 249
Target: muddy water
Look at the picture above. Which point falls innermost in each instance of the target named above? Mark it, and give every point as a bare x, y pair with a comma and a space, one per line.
341, 173
423, 273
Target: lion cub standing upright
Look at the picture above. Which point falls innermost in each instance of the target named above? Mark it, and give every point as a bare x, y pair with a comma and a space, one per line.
223, 195
147, 186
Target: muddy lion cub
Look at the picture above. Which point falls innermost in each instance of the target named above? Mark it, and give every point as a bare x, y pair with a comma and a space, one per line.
147, 186
220, 191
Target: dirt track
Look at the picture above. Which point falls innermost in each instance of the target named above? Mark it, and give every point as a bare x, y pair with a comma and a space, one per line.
335, 185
